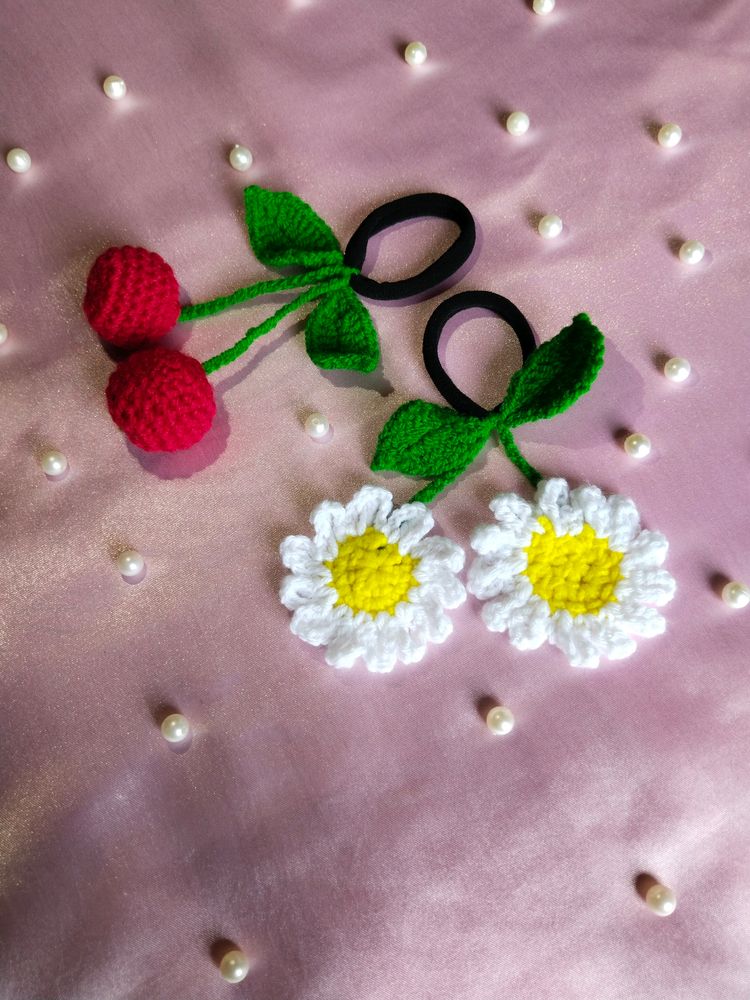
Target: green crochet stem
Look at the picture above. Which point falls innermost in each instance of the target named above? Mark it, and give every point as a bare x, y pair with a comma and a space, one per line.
202, 309
232, 353
505, 436
320, 280
428, 493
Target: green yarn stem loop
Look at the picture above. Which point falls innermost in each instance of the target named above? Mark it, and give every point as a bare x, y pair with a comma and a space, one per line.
341, 280
511, 450
214, 306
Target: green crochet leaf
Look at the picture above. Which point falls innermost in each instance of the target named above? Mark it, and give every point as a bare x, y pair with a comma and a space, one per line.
429, 441
555, 375
285, 232
339, 333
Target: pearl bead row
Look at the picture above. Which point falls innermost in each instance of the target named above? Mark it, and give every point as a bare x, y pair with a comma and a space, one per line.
675, 370
517, 124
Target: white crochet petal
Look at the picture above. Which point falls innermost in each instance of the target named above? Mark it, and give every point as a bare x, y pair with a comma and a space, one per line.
488, 539
529, 624
437, 625
394, 644
314, 623
328, 520
438, 584
640, 619
345, 646
369, 507
489, 575
497, 613
573, 637
649, 549
592, 503
406, 613
412, 635
514, 517
646, 586
299, 589
382, 653
408, 525
624, 523
300, 554
553, 502
440, 550
609, 637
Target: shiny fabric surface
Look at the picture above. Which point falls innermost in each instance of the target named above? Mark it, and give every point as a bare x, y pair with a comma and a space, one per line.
364, 837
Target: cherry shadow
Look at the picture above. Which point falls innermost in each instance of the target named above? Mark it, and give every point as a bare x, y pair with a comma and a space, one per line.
183, 464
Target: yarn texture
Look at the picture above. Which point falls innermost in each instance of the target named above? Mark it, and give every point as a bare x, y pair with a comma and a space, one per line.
431, 442
371, 574
573, 568
371, 583
284, 231
339, 333
132, 296
438, 443
161, 399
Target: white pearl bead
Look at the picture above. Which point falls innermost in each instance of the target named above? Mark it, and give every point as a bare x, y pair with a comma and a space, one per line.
500, 720
53, 463
691, 252
543, 6
661, 900
669, 135
3, 333
130, 563
18, 160
114, 87
550, 226
415, 53
517, 123
736, 594
234, 966
240, 157
317, 426
677, 369
637, 445
175, 728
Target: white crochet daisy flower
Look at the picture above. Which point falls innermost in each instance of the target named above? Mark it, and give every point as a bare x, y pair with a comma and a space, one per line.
369, 583
573, 569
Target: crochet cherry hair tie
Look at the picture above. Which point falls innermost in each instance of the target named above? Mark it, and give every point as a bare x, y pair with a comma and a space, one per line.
132, 299
438, 443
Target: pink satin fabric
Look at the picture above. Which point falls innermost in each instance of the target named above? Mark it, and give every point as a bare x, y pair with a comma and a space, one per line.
365, 837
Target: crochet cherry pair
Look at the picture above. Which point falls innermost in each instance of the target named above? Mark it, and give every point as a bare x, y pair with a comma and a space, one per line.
161, 398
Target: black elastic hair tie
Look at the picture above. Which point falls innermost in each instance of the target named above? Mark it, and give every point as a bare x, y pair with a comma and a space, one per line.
490, 301
413, 206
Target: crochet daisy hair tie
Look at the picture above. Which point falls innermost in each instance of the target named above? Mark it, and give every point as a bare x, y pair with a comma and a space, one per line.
438, 443
372, 583
572, 568
161, 398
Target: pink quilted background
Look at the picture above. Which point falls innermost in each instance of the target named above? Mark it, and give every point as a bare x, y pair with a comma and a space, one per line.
364, 837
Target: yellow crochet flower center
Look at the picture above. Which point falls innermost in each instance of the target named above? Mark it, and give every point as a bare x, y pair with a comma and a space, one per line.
371, 574
575, 573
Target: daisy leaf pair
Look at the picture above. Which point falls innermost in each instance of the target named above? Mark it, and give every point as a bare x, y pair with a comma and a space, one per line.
438, 443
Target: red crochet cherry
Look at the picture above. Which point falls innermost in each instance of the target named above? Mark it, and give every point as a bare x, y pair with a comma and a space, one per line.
161, 399
131, 297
